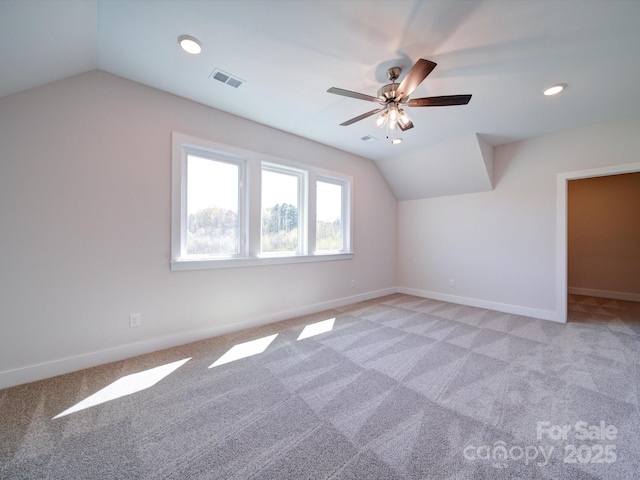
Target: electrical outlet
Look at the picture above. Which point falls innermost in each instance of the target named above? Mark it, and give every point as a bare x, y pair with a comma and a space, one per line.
134, 320
452, 283
353, 283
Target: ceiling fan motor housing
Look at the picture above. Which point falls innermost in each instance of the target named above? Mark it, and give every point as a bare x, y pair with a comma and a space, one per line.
389, 91
393, 73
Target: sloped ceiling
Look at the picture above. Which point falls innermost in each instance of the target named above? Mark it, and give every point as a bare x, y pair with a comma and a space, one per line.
462, 165
290, 52
41, 42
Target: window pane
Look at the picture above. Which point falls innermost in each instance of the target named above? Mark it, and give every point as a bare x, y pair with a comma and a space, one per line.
329, 217
280, 203
212, 207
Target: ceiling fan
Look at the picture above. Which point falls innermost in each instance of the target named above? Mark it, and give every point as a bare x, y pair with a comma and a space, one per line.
394, 96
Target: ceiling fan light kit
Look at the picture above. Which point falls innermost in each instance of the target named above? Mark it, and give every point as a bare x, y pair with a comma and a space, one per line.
404, 121
393, 96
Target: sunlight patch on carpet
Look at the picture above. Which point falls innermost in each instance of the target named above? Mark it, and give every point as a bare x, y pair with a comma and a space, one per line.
317, 328
244, 350
126, 385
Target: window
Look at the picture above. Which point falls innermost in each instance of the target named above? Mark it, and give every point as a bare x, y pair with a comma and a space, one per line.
331, 203
213, 201
283, 219
232, 208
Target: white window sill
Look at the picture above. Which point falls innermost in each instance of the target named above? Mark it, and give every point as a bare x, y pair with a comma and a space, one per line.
205, 264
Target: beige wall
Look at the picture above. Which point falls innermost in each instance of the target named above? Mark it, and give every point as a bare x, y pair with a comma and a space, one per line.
500, 247
604, 235
85, 202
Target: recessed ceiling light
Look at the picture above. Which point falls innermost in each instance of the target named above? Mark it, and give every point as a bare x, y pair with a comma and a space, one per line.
396, 141
555, 89
190, 44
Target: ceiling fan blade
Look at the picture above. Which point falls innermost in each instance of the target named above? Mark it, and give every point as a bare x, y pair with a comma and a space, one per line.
416, 75
360, 96
361, 117
439, 101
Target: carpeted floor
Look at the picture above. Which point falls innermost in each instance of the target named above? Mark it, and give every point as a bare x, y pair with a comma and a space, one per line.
398, 387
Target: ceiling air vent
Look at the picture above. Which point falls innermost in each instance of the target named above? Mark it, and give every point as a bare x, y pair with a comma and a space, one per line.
227, 78
369, 139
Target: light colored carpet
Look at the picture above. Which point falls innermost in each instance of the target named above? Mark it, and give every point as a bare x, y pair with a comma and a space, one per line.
400, 387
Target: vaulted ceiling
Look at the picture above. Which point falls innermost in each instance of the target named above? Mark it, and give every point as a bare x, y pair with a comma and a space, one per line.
288, 53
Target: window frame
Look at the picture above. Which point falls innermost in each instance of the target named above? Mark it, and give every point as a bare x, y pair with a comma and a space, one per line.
215, 156
249, 208
346, 212
302, 195
182, 147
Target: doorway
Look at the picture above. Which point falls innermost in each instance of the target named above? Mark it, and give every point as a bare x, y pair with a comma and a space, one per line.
562, 226
603, 249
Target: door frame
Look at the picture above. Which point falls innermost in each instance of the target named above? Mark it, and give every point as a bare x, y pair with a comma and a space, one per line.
561, 225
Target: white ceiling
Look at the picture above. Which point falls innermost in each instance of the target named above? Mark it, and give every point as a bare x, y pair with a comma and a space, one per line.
289, 53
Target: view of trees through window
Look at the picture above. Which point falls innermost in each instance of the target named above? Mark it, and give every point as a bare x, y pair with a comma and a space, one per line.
328, 217
280, 228
212, 231
280, 215
212, 207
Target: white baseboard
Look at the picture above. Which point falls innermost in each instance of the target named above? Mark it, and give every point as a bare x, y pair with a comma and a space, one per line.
631, 297
473, 302
41, 371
